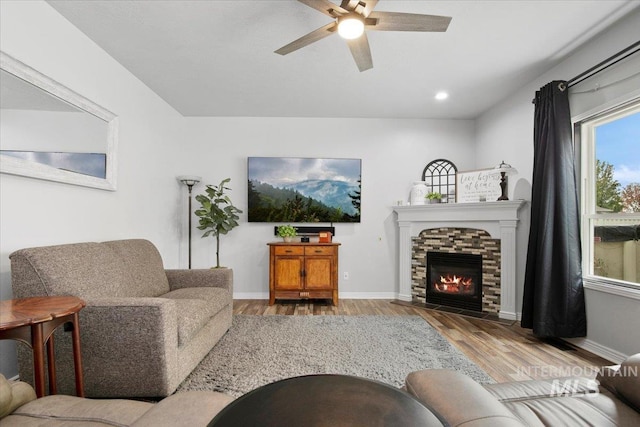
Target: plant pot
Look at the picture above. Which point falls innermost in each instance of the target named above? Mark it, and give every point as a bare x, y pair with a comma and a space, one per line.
288, 239
433, 201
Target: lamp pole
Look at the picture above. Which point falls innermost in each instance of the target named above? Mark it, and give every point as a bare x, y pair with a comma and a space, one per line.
189, 181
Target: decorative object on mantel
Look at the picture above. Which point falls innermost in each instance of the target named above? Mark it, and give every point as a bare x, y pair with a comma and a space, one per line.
418, 193
189, 181
287, 232
440, 176
434, 197
217, 213
504, 169
477, 186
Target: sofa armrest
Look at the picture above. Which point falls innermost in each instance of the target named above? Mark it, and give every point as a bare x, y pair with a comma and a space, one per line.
122, 322
623, 380
14, 394
210, 277
458, 399
189, 408
131, 341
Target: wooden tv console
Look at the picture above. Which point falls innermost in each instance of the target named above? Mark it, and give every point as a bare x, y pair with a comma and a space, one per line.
303, 271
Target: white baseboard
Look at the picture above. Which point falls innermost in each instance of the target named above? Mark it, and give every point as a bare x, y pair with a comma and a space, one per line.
367, 295
251, 295
401, 297
507, 315
341, 295
598, 349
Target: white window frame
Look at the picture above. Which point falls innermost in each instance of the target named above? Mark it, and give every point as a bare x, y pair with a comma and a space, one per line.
585, 125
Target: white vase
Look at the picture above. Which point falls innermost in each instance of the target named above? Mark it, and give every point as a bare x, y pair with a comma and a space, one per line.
288, 239
418, 191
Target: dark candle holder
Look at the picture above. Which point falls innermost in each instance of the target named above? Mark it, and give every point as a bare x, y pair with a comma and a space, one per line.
504, 169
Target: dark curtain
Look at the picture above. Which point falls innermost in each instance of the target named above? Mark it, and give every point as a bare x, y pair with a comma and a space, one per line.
553, 304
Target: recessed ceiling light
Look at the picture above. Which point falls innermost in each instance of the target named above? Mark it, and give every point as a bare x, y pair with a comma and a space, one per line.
442, 95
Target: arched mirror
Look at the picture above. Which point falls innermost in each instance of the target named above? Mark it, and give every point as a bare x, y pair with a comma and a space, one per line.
440, 176
50, 132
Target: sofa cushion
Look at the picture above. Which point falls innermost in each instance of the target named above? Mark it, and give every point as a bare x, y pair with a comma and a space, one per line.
602, 409
143, 264
194, 307
522, 390
79, 269
60, 410
121, 268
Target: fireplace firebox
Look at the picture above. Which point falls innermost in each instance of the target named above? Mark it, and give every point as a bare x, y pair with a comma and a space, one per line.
454, 280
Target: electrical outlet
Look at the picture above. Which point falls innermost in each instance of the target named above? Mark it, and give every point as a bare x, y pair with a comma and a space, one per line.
345, 275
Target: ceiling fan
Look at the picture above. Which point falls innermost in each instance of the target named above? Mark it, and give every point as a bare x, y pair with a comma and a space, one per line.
352, 17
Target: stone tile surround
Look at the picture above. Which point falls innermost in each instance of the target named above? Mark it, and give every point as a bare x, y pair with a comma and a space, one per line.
458, 240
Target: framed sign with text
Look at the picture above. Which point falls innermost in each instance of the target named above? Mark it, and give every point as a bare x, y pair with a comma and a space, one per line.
478, 186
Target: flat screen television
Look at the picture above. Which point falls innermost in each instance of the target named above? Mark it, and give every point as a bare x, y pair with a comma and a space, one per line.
294, 189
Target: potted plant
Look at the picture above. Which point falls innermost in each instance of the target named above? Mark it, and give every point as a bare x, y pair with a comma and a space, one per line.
217, 213
287, 232
434, 197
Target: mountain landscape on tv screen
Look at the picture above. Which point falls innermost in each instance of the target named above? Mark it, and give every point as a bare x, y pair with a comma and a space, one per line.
311, 200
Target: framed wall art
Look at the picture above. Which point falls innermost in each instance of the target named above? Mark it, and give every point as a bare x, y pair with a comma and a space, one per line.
482, 185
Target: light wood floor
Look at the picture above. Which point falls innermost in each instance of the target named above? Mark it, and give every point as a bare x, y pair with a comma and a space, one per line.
506, 352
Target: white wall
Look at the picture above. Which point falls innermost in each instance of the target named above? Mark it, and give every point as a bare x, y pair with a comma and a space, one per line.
393, 153
35, 212
506, 132
156, 144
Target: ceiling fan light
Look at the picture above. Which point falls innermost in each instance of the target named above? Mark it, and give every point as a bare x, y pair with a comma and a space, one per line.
350, 27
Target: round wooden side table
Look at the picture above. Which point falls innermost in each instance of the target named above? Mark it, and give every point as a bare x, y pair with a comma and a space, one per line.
33, 321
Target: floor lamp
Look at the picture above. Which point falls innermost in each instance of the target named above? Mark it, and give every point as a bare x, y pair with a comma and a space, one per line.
189, 181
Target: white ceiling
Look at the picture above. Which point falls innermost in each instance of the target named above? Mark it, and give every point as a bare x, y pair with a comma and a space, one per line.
215, 57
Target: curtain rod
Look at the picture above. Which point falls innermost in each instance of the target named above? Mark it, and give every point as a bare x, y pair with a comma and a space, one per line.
612, 60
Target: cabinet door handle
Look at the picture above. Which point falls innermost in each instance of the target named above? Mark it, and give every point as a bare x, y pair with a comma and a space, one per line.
303, 273
318, 251
288, 251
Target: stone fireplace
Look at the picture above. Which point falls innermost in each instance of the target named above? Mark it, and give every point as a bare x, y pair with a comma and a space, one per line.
487, 229
471, 253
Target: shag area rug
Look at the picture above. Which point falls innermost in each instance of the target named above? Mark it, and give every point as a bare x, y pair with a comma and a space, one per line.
258, 350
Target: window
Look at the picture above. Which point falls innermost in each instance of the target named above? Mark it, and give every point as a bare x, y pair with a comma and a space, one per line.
610, 171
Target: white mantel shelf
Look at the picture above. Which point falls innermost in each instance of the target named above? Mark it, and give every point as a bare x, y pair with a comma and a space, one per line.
500, 219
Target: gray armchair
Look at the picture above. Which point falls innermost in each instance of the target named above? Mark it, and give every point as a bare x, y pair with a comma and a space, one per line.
144, 328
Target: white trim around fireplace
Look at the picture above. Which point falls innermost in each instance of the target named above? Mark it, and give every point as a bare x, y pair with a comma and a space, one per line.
500, 219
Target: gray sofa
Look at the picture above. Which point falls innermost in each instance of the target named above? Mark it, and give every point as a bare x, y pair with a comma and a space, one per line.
19, 407
144, 328
612, 399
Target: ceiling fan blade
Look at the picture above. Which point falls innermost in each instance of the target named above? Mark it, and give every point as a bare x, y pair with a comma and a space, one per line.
371, 4
361, 53
363, 7
326, 7
393, 21
307, 39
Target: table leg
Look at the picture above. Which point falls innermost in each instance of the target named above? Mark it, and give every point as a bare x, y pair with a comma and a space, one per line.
51, 364
38, 358
77, 356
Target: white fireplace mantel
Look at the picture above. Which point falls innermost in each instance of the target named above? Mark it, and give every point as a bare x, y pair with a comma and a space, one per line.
500, 219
